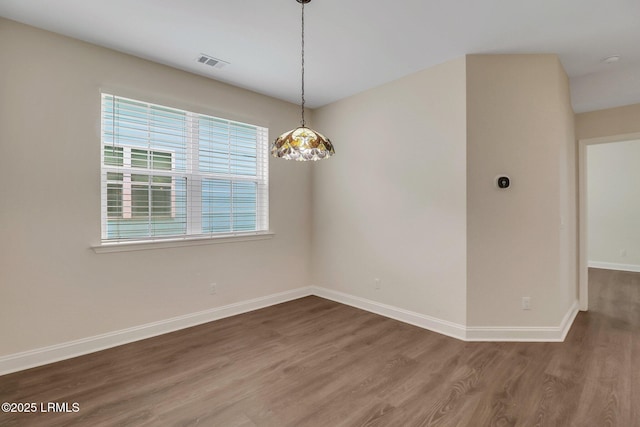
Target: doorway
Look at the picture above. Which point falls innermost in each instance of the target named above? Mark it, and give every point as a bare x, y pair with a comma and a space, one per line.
583, 211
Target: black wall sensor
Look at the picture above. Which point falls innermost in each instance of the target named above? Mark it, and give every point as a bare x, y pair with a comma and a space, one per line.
503, 182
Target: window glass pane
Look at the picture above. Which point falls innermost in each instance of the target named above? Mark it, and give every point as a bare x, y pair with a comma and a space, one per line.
160, 201
243, 150
139, 200
213, 145
113, 176
169, 217
226, 147
162, 179
216, 206
136, 177
130, 124
244, 206
228, 206
161, 161
114, 200
113, 156
139, 158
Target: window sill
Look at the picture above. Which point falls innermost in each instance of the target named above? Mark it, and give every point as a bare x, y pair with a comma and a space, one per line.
141, 245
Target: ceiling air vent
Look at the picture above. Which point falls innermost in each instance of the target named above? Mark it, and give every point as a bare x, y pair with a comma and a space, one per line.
211, 61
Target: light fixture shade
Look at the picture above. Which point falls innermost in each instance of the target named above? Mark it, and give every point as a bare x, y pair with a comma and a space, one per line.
302, 144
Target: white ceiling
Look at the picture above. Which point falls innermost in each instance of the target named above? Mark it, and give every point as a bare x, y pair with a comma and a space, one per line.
353, 45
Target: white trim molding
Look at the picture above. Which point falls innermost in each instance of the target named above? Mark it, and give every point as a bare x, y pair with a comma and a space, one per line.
456, 330
42, 356
526, 334
615, 266
434, 324
55, 353
140, 245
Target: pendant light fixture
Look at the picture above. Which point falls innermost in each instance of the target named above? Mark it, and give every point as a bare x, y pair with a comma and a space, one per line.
302, 143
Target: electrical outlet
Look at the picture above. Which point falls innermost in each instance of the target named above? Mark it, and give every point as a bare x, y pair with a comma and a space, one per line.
376, 284
526, 303
213, 289
623, 252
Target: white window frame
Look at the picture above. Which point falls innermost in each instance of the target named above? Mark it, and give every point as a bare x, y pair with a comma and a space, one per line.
194, 188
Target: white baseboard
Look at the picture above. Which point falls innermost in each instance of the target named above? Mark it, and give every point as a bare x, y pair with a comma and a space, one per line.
455, 330
42, 356
440, 326
615, 266
526, 334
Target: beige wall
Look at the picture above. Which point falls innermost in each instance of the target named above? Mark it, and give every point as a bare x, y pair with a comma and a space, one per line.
567, 163
609, 122
614, 204
391, 203
521, 241
407, 199
53, 287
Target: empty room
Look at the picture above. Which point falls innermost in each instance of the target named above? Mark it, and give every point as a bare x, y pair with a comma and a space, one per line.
298, 213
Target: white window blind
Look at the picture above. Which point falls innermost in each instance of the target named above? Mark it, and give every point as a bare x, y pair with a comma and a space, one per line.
169, 173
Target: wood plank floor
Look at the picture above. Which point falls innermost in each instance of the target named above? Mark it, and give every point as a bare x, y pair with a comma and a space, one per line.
313, 362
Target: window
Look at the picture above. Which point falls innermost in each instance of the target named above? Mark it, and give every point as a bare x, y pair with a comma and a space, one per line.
137, 185
170, 173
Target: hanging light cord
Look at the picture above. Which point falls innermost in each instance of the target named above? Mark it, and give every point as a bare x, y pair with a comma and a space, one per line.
302, 104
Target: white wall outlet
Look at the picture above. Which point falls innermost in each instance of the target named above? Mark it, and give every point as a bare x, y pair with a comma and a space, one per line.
623, 252
213, 288
376, 284
526, 303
